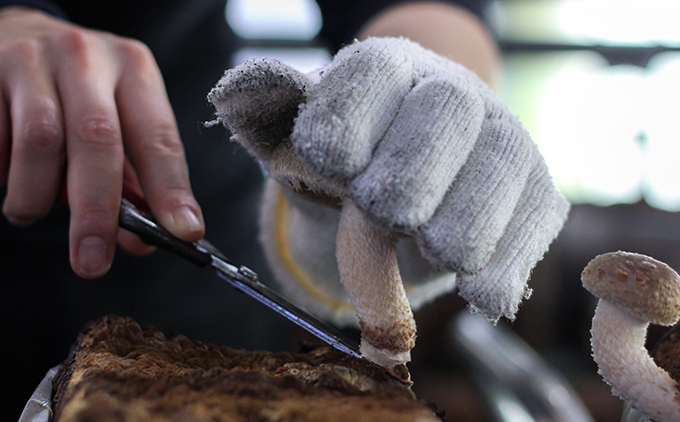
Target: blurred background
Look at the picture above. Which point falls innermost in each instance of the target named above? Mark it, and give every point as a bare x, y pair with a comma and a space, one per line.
597, 84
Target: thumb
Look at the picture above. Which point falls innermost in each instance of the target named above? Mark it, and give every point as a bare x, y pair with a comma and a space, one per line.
258, 102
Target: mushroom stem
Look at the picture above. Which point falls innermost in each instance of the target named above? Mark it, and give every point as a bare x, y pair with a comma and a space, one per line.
367, 261
630, 370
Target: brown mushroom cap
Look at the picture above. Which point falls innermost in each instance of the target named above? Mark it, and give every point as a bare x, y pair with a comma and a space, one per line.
645, 287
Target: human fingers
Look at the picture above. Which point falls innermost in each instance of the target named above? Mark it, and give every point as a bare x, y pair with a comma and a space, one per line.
153, 145
94, 151
132, 244
36, 155
128, 241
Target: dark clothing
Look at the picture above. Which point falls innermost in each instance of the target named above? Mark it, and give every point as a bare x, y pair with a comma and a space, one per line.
43, 304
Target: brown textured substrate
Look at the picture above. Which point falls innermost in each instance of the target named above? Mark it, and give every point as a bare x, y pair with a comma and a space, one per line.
118, 371
666, 352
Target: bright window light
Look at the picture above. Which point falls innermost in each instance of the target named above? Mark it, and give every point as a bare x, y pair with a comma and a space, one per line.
608, 133
274, 19
620, 21
660, 108
589, 21
589, 128
525, 20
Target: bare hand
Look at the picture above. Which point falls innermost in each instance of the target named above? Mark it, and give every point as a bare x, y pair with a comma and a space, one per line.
79, 106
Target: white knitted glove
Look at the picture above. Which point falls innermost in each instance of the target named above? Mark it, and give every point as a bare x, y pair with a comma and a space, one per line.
422, 149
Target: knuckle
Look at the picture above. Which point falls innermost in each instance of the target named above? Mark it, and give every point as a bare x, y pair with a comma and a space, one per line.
94, 214
98, 132
94, 211
137, 54
75, 41
22, 51
164, 140
41, 134
75, 48
140, 68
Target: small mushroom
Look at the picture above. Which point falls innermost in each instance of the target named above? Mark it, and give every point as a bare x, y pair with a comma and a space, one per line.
367, 262
634, 290
258, 101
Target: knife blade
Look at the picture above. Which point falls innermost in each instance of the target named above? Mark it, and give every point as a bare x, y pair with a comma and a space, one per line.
204, 254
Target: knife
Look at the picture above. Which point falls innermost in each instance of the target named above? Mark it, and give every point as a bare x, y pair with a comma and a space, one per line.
135, 217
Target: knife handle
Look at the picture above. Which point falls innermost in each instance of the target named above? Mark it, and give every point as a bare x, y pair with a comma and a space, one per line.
150, 232
135, 216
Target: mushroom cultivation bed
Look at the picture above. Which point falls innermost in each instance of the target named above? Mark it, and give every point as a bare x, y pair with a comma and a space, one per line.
119, 371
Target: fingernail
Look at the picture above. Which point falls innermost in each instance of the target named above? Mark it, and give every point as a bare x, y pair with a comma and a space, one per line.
93, 256
186, 219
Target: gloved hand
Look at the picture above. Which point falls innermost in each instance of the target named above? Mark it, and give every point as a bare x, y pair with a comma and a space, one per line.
418, 153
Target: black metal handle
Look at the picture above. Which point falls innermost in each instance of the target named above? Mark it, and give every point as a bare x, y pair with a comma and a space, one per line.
150, 232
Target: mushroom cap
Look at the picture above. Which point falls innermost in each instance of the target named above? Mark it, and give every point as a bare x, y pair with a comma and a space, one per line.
645, 287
